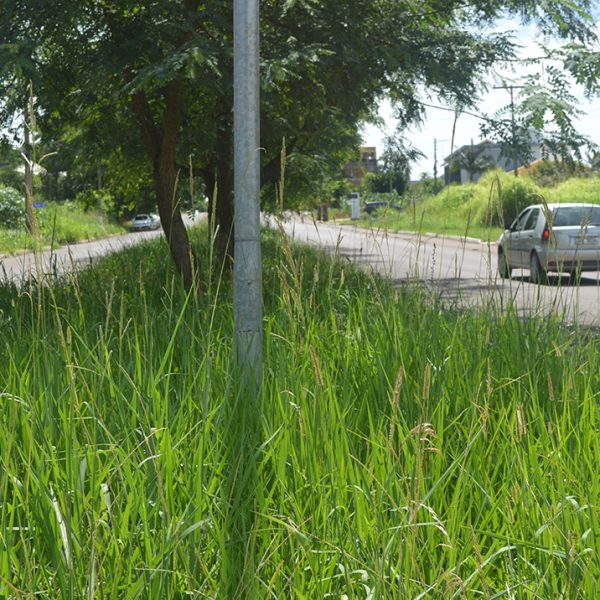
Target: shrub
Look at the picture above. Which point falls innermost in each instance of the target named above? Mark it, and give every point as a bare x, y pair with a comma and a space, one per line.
548, 173
576, 189
457, 196
12, 209
507, 196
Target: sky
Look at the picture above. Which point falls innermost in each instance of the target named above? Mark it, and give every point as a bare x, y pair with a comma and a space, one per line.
438, 123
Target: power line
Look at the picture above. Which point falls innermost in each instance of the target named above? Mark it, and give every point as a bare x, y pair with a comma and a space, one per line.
461, 111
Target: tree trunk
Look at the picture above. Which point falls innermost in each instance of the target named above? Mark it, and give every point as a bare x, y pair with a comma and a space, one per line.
161, 147
224, 215
183, 254
219, 187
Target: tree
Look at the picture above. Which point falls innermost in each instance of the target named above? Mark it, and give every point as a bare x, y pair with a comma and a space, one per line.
154, 79
10, 160
594, 160
473, 160
543, 110
394, 172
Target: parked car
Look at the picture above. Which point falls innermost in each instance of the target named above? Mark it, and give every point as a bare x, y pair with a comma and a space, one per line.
143, 222
562, 238
373, 205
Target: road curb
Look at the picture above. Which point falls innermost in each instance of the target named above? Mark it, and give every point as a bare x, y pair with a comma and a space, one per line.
427, 236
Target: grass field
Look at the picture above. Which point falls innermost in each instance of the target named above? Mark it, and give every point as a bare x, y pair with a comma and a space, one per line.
58, 224
398, 449
473, 210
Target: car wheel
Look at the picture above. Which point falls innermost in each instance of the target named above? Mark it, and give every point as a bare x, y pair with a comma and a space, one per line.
537, 274
504, 269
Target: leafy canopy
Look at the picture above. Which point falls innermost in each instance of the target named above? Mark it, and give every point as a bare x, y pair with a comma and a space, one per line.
325, 65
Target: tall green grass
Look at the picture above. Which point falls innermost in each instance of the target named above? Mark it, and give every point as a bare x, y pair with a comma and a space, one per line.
398, 449
59, 224
485, 208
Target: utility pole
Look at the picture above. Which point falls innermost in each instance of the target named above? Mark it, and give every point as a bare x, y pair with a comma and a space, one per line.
247, 274
242, 418
435, 169
511, 89
435, 181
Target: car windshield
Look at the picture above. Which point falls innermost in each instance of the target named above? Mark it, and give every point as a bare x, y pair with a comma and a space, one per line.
577, 216
141, 218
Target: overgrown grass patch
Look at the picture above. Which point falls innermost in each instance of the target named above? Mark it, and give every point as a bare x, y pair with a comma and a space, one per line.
58, 224
401, 449
485, 208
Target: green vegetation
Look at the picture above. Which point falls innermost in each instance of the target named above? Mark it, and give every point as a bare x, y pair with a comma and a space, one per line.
12, 207
482, 209
150, 101
575, 190
399, 450
59, 224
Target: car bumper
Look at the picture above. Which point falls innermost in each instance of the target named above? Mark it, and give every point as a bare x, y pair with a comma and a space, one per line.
582, 260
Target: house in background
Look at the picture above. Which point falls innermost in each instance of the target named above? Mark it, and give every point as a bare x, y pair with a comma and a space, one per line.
468, 163
356, 170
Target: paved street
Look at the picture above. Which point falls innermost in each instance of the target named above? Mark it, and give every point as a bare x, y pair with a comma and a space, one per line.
21, 266
463, 271
66, 258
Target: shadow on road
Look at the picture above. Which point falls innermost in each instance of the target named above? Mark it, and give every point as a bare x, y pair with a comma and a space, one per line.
561, 281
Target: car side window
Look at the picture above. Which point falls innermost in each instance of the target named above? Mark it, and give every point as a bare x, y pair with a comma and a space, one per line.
532, 219
519, 224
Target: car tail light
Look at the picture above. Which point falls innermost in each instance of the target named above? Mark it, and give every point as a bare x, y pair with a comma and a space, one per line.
545, 234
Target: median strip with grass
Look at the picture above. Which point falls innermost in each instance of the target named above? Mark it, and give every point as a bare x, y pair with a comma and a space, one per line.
398, 450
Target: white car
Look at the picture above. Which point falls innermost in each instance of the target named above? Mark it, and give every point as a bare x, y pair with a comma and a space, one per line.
562, 238
144, 221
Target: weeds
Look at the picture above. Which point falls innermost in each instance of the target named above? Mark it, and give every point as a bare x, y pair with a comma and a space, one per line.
478, 205
404, 451
58, 224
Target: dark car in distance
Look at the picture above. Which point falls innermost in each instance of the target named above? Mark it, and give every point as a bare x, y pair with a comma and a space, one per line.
373, 205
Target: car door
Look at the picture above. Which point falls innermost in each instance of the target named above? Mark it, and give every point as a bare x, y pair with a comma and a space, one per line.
514, 246
526, 238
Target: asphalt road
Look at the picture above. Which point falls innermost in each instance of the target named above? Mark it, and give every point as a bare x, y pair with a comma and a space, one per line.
20, 267
463, 271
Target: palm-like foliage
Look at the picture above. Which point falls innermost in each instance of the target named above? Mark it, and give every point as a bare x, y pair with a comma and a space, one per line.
473, 160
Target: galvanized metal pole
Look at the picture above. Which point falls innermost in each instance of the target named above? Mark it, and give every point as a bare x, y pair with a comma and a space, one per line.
247, 277
435, 166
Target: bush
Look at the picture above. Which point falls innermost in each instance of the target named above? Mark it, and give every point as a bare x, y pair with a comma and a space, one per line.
12, 208
576, 189
508, 195
456, 196
548, 173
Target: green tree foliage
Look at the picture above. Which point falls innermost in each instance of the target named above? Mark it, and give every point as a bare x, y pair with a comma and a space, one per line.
154, 79
12, 208
547, 173
10, 160
473, 160
394, 170
543, 110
